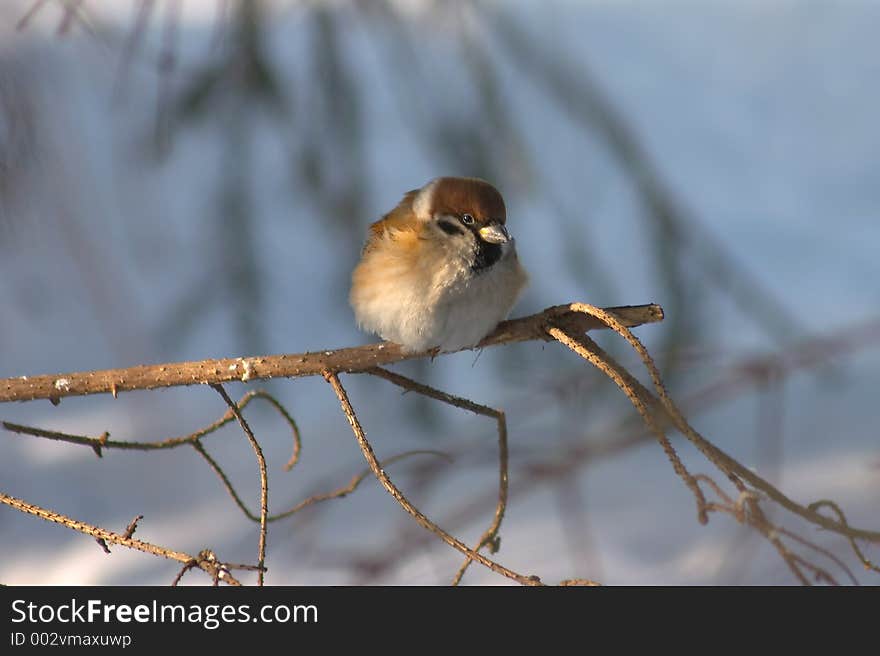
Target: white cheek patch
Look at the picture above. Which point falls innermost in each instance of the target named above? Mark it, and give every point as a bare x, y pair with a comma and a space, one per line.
424, 200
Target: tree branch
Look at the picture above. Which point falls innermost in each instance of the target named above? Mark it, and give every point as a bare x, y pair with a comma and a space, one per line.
264, 481
490, 536
347, 360
423, 521
206, 560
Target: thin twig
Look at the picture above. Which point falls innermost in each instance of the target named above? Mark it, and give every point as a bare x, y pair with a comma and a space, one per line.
746, 511
796, 563
736, 379
671, 409
610, 368
110, 536
490, 536
356, 480
102, 442
230, 488
187, 566
816, 505
97, 443
264, 479
376, 467
728, 465
340, 492
734, 471
819, 549
132, 526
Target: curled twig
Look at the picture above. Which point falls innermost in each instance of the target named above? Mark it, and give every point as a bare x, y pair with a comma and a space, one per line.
736, 472
103, 442
490, 535
745, 510
582, 346
264, 481
352, 485
816, 505
376, 467
355, 481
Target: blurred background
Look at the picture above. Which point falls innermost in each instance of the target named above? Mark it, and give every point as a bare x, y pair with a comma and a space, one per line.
182, 179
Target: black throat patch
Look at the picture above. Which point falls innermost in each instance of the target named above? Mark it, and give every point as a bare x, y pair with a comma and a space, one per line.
487, 254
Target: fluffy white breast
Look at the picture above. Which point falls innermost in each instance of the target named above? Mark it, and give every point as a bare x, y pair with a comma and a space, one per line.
433, 300
471, 308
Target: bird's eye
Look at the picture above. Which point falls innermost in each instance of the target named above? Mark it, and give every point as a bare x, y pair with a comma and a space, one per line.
467, 219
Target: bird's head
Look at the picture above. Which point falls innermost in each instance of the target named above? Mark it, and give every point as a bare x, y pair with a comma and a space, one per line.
466, 216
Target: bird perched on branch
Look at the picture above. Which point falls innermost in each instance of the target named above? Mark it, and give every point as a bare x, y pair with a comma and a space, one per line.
440, 270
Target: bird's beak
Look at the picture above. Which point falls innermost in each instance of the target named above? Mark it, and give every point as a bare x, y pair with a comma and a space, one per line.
494, 233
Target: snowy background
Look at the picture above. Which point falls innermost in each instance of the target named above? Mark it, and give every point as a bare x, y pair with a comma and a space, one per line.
206, 212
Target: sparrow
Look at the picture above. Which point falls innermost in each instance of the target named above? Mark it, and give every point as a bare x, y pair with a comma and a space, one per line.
440, 270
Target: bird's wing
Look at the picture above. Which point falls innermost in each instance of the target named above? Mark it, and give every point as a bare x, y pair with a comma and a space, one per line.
398, 219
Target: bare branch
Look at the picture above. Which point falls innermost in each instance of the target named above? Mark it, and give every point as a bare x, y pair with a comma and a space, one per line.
264, 479
490, 536
630, 387
97, 443
347, 360
544, 469
816, 505
132, 527
103, 442
352, 485
376, 467
212, 566
355, 481
565, 324
735, 471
